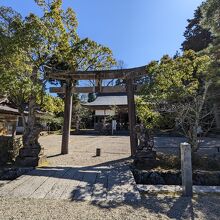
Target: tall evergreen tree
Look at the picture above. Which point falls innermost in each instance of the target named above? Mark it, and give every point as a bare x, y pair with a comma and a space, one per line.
211, 21
197, 38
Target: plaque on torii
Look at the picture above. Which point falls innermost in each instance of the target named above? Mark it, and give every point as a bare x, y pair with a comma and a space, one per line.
70, 76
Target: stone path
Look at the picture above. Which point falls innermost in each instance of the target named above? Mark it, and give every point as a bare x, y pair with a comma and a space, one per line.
75, 183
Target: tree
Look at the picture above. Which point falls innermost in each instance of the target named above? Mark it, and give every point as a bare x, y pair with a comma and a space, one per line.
91, 97
148, 116
211, 16
54, 105
33, 42
54, 108
210, 21
197, 38
80, 115
15, 65
180, 86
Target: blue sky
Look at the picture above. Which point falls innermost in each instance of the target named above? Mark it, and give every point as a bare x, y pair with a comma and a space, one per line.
137, 31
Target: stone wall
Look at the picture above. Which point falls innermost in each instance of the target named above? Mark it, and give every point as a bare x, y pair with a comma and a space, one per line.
9, 149
5, 143
173, 177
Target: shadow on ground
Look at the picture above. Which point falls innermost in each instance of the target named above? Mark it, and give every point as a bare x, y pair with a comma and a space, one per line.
109, 176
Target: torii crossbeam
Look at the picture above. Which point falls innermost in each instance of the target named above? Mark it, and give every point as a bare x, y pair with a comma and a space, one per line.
69, 89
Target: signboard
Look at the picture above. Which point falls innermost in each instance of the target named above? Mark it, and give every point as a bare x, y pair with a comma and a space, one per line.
114, 124
104, 112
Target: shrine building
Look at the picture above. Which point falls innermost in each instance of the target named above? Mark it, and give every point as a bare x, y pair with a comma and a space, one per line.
108, 107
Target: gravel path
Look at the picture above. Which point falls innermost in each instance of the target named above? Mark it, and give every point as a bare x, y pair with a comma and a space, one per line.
153, 208
114, 149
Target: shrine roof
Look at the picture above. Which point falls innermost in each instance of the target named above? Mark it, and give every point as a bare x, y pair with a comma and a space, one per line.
109, 99
8, 110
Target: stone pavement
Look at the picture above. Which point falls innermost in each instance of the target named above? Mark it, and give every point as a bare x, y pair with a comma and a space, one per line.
75, 183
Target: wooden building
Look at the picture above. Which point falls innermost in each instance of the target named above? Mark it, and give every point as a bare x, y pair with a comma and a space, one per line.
108, 107
11, 120
8, 118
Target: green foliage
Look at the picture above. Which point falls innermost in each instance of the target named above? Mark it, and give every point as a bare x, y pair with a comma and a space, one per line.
211, 16
210, 21
53, 104
179, 86
28, 46
174, 79
147, 115
80, 115
15, 65
91, 97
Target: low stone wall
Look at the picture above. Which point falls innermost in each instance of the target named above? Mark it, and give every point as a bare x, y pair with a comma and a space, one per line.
16, 146
173, 177
9, 149
5, 144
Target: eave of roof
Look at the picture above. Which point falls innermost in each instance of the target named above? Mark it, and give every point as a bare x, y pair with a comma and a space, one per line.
108, 100
14, 111
8, 110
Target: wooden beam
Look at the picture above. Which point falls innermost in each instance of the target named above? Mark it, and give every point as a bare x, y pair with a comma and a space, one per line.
99, 74
67, 118
104, 89
131, 115
59, 90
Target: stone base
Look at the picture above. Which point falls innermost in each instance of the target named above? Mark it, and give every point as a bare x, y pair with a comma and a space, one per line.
31, 152
145, 164
145, 159
31, 157
146, 154
32, 161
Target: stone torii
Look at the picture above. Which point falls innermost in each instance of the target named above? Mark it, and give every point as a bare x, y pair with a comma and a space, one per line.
70, 76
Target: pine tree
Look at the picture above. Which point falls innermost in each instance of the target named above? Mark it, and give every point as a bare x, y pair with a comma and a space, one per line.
197, 38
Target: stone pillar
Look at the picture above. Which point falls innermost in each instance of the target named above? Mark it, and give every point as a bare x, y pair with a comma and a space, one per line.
186, 169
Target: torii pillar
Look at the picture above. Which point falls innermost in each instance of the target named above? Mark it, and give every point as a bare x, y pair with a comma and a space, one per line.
131, 115
67, 117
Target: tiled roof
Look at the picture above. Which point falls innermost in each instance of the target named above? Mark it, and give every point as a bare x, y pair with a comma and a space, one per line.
3, 100
109, 99
7, 109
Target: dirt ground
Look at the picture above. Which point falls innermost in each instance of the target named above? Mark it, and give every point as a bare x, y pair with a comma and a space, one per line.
82, 149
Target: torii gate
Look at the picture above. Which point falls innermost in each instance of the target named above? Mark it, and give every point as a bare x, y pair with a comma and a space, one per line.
69, 89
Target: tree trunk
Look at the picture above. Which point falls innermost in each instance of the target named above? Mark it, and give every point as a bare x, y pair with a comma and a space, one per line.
217, 115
